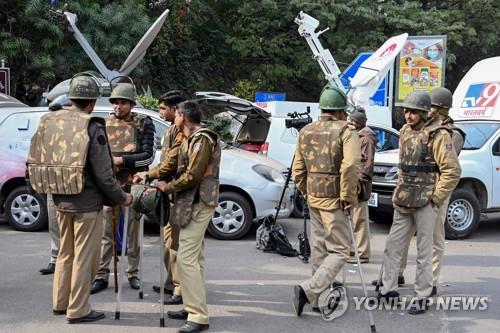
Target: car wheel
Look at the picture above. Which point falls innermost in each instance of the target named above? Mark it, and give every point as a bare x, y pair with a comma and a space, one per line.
462, 215
232, 217
26, 211
298, 204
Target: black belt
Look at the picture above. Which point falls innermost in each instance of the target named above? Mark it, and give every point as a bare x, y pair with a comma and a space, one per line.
418, 168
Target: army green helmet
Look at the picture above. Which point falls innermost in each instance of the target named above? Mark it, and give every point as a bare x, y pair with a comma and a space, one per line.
123, 91
441, 97
332, 98
417, 100
83, 86
148, 203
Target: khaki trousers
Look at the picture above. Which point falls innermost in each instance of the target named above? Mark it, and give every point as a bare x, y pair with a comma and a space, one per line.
402, 229
329, 251
107, 244
361, 223
438, 246
53, 229
171, 239
77, 262
191, 263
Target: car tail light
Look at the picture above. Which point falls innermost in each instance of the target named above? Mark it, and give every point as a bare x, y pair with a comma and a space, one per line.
256, 148
251, 147
264, 148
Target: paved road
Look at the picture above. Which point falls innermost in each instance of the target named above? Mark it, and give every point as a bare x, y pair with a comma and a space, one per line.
250, 291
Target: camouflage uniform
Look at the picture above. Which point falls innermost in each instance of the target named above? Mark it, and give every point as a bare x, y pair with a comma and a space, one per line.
172, 140
326, 169
457, 137
429, 169
196, 192
127, 139
70, 158
368, 140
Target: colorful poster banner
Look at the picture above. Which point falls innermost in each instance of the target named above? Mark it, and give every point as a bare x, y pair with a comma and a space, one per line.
420, 66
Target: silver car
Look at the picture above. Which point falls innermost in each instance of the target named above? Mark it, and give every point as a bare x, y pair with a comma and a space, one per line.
250, 184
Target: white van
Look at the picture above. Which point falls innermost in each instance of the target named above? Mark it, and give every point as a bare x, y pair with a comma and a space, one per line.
476, 110
281, 141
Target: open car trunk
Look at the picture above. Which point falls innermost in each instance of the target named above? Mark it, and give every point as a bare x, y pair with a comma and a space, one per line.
255, 121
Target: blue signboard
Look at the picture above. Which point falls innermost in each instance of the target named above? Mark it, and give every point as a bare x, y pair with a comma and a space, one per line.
380, 97
266, 96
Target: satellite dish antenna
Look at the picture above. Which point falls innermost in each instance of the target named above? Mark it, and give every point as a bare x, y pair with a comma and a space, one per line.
139, 50
373, 71
134, 57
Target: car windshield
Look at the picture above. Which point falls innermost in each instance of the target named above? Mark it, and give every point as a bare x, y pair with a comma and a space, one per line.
477, 133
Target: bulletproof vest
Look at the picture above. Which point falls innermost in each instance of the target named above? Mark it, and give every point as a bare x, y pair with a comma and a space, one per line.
208, 189
418, 171
457, 135
168, 140
321, 148
58, 152
125, 136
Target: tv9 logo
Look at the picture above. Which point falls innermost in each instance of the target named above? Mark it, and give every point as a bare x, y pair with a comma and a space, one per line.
481, 95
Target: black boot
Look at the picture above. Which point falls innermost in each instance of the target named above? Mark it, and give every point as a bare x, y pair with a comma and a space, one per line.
419, 307
166, 291
174, 299
192, 327
134, 282
299, 300
401, 281
181, 315
392, 297
92, 316
51, 267
98, 285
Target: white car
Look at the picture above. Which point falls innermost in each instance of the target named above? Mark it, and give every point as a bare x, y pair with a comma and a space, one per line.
263, 130
250, 185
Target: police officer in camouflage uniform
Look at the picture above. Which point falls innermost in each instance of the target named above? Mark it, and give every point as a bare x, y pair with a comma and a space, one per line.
196, 192
131, 138
360, 217
441, 101
70, 158
172, 140
427, 174
326, 169
61, 102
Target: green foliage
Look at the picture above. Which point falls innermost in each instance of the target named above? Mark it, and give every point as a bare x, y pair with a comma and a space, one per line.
147, 100
245, 89
221, 126
235, 46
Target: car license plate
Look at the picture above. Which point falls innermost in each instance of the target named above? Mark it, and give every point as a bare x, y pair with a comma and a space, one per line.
373, 201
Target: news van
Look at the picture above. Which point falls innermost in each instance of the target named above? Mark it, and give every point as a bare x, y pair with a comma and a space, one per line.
476, 110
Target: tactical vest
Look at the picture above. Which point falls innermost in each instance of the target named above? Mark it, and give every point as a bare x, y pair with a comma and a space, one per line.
168, 140
321, 147
208, 189
457, 135
58, 152
125, 136
418, 171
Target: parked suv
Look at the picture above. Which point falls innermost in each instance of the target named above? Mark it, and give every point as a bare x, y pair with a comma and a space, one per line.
250, 185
